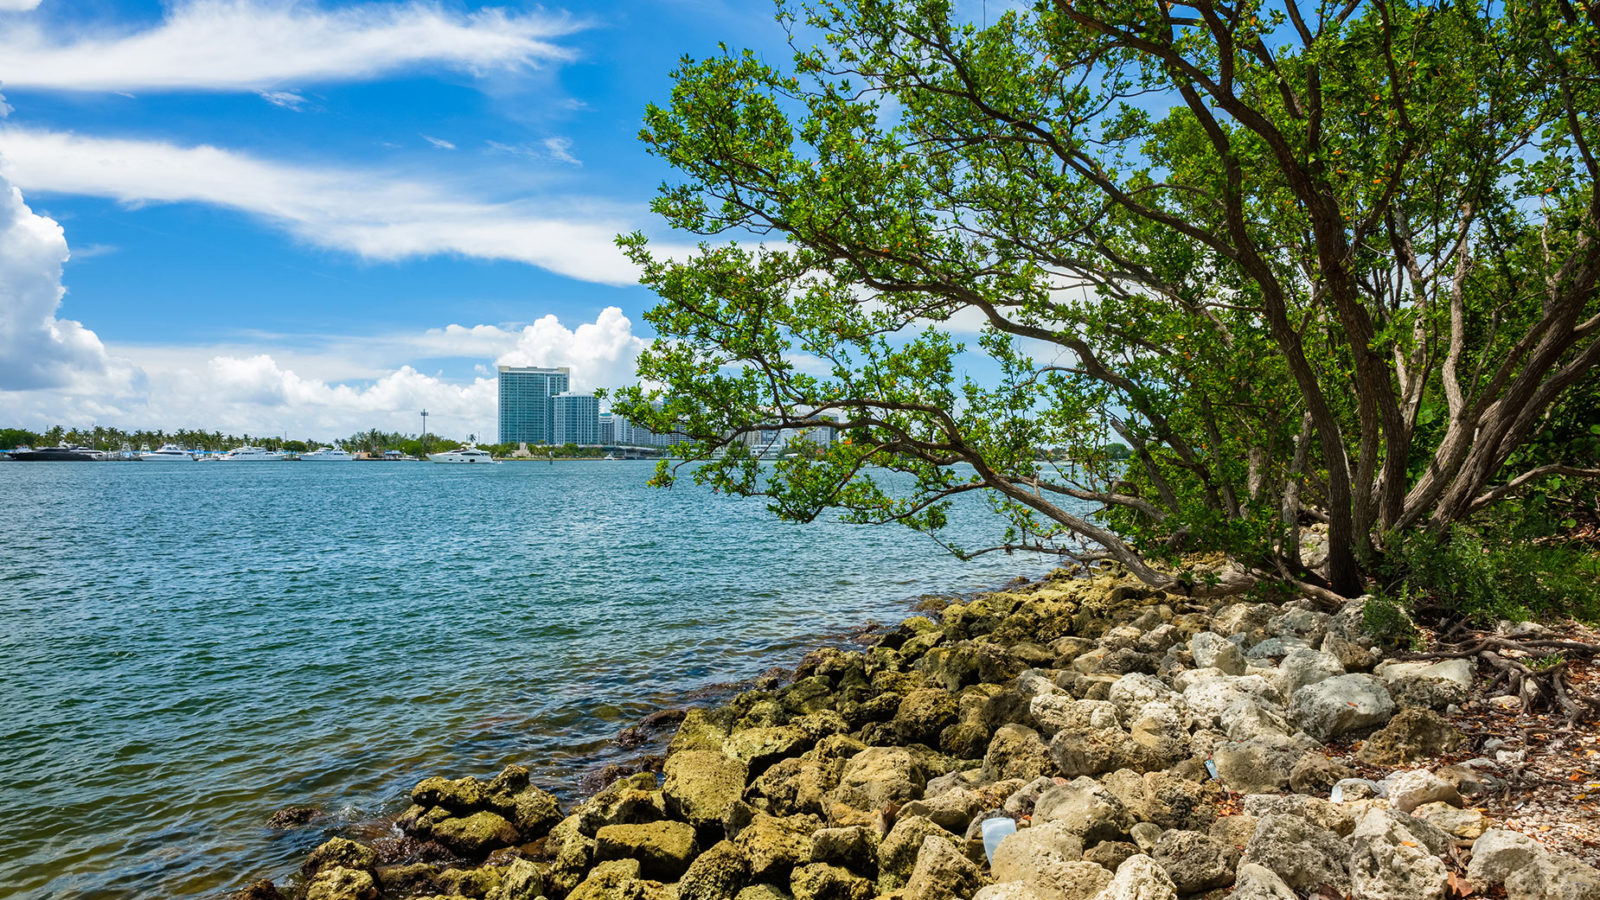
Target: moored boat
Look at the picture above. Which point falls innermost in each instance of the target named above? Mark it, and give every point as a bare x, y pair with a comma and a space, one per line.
167, 453
327, 454
251, 454
73, 453
464, 455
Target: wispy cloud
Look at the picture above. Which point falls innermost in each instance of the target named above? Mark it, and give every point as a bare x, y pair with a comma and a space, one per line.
285, 99
257, 45
377, 215
560, 149
441, 143
18, 5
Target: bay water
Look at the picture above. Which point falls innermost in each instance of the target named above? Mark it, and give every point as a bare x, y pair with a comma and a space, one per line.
187, 647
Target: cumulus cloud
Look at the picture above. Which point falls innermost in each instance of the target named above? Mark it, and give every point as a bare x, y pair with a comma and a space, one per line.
227, 45
377, 215
38, 349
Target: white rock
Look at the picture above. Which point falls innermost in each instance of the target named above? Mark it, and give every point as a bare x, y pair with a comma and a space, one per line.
1139, 878
1209, 698
1410, 789
1460, 671
1306, 666
1212, 650
1133, 691
1008, 890
1499, 853
1553, 877
1389, 862
1337, 705
1253, 882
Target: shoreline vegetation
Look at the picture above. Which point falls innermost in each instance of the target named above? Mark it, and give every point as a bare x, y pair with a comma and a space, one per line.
1140, 743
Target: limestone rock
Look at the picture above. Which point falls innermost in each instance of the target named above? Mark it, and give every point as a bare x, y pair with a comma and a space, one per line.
761, 892
1339, 705
1193, 861
1315, 773
626, 801
820, 881
1132, 692
1303, 667
1409, 790
1411, 735
463, 795
758, 748
1213, 651
1552, 877
1047, 858
871, 780
1462, 823
1389, 862
1086, 808
1498, 853
1350, 654
476, 835
1017, 751
942, 873
1304, 856
1008, 890
339, 852
773, 847
663, 849
1253, 882
1088, 738
1210, 697
796, 785
1139, 878
951, 810
1256, 766
923, 714
522, 881
855, 848
1109, 855
702, 784
339, 883
897, 855
1459, 671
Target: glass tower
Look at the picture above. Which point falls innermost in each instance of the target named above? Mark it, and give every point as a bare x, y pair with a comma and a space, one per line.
527, 408
577, 419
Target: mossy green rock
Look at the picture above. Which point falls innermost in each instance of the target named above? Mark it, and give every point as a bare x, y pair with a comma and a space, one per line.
702, 730
339, 852
462, 795
627, 801
476, 835
716, 874
608, 881
924, 713
773, 847
897, 855
479, 882
796, 785
871, 780
820, 881
523, 880
340, 883
760, 747
663, 849
406, 880
763, 892
702, 785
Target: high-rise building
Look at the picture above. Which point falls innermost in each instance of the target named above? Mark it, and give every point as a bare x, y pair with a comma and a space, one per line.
527, 410
577, 419
608, 429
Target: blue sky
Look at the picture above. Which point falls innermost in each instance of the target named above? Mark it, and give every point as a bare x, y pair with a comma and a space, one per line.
315, 217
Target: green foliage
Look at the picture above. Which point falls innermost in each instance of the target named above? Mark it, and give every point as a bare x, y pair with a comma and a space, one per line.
1488, 578
1388, 618
1341, 267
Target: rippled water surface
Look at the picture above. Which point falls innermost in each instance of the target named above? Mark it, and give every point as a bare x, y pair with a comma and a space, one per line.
188, 647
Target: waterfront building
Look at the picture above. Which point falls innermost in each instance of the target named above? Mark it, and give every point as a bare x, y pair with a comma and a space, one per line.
527, 408
577, 419
608, 430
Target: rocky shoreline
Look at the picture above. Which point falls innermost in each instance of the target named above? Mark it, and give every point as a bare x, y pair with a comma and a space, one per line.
1140, 745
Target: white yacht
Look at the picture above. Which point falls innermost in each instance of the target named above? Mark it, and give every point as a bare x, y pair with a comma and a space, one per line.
327, 454
167, 453
468, 455
251, 454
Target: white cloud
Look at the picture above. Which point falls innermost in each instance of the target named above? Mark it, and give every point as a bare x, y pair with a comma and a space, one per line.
229, 45
377, 215
441, 143
560, 148
18, 5
285, 99
37, 349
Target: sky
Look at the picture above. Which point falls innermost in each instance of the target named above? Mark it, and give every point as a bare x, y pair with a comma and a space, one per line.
313, 218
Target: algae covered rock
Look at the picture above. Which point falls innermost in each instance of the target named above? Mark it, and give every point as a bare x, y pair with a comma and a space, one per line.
663, 849
923, 715
1017, 751
339, 852
463, 795
476, 835
821, 881
522, 880
702, 785
773, 847
626, 801
897, 854
340, 883
796, 785
716, 874
855, 848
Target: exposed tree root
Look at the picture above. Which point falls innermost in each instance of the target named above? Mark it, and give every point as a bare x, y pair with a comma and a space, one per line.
1535, 686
